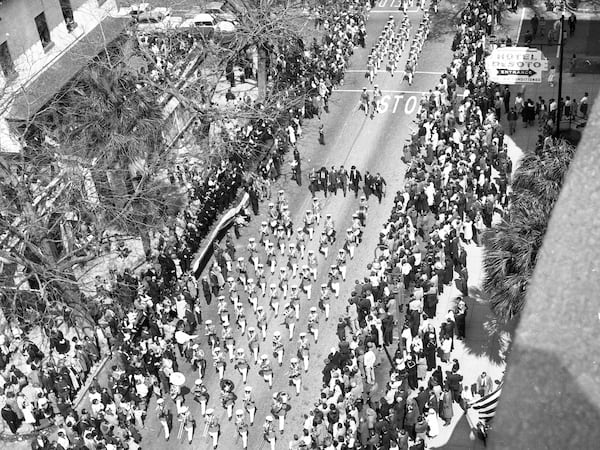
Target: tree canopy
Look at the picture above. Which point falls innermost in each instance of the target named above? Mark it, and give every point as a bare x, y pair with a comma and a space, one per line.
512, 246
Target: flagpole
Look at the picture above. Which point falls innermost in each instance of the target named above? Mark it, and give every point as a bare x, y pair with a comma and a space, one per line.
561, 48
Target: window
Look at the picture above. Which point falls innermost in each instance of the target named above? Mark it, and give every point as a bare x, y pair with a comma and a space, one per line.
6, 62
43, 31
67, 12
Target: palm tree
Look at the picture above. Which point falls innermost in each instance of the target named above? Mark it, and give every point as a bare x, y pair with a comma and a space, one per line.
512, 246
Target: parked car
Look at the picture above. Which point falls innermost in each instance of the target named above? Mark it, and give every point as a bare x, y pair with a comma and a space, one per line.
219, 13
157, 19
209, 28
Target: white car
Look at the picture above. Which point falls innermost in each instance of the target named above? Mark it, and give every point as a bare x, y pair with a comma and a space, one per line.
158, 19
207, 26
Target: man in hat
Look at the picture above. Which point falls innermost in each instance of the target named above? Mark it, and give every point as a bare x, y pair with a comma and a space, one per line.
164, 416
295, 375
249, 403
242, 427
277, 347
355, 178
241, 364
187, 422
213, 427
269, 431
313, 323
201, 395
266, 370
304, 350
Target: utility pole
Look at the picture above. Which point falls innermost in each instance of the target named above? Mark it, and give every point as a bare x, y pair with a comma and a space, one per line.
561, 49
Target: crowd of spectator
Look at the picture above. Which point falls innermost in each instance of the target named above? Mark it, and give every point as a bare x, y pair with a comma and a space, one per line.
457, 179
143, 320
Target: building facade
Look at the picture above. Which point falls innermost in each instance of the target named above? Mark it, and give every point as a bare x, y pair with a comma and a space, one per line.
35, 36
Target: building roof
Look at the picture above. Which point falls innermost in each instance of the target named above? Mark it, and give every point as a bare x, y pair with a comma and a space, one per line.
34, 95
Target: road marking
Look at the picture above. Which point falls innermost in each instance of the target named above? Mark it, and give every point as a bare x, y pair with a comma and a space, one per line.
384, 91
391, 11
399, 72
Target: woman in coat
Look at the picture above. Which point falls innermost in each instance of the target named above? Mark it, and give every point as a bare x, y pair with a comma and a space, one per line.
430, 347
446, 412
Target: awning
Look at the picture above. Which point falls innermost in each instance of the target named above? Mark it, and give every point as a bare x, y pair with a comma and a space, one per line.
33, 96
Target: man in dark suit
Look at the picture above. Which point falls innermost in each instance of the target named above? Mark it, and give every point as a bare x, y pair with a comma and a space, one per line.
323, 179
333, 180
355, 178
454, 380
378, 184
367, 186
342, 176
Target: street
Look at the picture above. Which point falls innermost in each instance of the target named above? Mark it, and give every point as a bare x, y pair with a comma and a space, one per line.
351, 138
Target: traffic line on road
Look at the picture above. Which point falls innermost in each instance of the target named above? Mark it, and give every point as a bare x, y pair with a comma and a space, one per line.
384, 91
390, 11
400, 72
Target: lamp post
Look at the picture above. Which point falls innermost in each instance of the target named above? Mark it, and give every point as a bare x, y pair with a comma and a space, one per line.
561, 47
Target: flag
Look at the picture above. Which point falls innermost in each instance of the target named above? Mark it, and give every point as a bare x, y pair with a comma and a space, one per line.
481, 412
485, 407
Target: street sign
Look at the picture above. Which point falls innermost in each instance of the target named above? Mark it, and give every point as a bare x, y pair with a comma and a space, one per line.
516, 65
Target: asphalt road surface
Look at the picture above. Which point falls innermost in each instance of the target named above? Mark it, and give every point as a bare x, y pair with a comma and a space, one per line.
351, 139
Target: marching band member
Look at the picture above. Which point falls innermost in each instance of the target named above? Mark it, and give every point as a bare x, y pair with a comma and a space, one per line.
271, 258
186, 421
201, 395
163, 413
283, 281
334, 280
261, 321
273, 299
295, 375
242, 269
316, 209
249, 403
293, 259
266, 371
219, 362
341, 263
279, 408
304, 350
261, 279
312, 264
309, 223
305, 282
350, 244
253, 343
289, 319
313, 323
324, 300
301, 241
324, 244
330, 228
242, 427
213, 427
252, 249
269, 431
277, 347
240, 317
252, 294
295, 300
229, 341
241, 364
